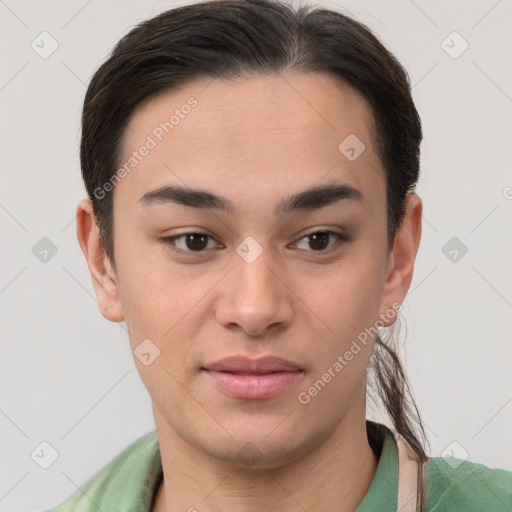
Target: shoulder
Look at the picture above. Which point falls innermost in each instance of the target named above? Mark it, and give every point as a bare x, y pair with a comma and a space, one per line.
123, 481
467, 485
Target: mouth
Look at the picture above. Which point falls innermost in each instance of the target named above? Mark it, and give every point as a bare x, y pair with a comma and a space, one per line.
250, 379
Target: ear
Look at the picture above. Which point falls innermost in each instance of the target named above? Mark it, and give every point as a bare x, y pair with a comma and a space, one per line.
401, 259
103, 276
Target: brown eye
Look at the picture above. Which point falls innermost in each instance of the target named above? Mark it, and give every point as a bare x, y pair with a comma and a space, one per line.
196, 241
319, 240
190, 242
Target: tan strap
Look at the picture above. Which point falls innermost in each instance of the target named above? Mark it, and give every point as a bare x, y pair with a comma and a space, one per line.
407, 477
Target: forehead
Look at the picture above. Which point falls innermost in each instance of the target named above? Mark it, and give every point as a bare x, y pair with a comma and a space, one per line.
288, 130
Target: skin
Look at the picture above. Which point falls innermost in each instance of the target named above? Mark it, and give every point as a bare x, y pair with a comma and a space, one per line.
255, 141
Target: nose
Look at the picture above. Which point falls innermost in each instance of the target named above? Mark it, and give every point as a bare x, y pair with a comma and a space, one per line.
255, 297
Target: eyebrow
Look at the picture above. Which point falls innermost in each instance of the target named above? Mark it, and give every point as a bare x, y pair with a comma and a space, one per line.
310, 199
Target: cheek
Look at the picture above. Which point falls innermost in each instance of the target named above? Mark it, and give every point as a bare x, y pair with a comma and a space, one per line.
148, 293
344, 307
347, 299
163, 309
159, 303
165, 304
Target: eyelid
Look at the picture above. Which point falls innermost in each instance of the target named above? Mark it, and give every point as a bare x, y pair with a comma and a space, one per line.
313, 231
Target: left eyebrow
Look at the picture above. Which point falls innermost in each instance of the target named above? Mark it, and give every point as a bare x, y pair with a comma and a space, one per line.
318, 197
312, 198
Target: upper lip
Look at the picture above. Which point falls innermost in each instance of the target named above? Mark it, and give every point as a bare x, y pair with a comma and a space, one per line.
243, 364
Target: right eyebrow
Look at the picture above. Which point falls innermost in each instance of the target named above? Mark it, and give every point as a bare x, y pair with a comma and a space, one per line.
187, 197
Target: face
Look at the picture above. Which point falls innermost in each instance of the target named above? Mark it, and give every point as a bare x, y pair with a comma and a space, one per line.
250, 248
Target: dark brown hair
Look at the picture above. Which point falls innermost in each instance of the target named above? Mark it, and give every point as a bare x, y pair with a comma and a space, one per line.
232, 38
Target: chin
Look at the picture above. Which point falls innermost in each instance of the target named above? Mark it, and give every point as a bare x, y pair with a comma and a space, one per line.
255, 449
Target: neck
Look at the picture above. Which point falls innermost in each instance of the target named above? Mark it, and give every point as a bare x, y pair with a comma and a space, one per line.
333, 476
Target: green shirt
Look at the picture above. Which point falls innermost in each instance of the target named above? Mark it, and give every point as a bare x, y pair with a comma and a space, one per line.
130, 481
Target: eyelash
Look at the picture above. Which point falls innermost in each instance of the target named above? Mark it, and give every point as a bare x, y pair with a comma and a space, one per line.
170, 241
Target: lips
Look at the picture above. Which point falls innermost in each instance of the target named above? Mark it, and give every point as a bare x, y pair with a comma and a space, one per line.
253, 379
245, 365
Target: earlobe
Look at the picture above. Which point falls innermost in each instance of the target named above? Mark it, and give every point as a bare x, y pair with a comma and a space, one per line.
401, 260
103, 277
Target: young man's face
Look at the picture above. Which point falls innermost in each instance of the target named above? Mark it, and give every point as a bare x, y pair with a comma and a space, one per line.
252, 284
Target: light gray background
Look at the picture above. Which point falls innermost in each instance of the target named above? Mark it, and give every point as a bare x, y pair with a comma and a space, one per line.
67, 375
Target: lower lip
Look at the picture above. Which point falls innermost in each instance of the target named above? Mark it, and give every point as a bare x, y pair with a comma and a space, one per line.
255, 387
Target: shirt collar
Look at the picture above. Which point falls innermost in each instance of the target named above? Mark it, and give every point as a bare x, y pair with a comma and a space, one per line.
382, 494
